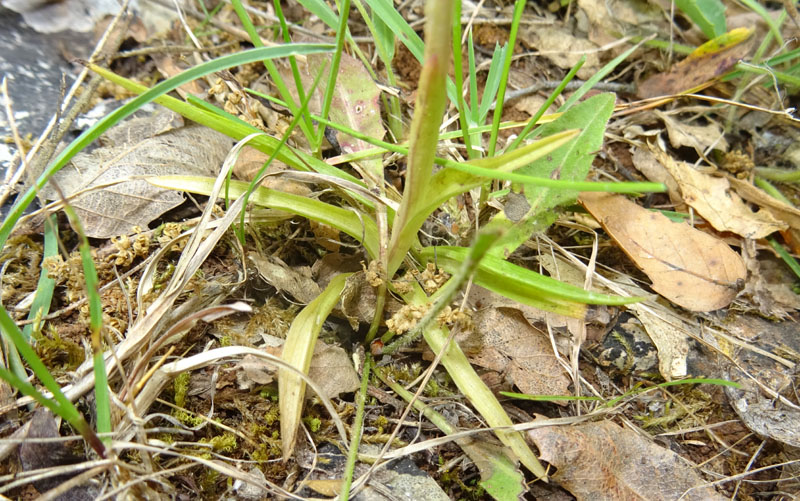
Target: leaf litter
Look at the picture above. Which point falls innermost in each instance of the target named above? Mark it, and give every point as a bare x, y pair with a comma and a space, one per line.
706, 293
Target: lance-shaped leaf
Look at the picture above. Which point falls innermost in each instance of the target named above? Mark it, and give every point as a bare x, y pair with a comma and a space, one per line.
523, 285
297, 352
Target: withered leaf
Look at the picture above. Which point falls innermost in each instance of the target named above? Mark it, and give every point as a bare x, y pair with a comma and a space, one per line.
602, 461
713, 199
693, 72
508, 344
118, 199
690, 268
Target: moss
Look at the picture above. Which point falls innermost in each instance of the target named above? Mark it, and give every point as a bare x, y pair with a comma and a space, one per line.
314, 424
181, 386
56, 352
222, 443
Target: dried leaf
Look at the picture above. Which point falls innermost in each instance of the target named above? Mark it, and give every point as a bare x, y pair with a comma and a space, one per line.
296, 281
699, 137
562, 48
602, 461
332, 369
693, 72
645, 161
505, 342
690, 268
780, 210
118, 201
713, 199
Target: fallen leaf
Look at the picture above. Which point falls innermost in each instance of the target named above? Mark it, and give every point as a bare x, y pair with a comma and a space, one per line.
296, 281
563, 49
646, 162
713, 199
780, 210
332, 369
119, 200
505, 342
602, 461
687, 266
693, 72
699, 137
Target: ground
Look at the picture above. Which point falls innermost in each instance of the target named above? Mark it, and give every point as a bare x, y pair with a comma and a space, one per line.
689, 392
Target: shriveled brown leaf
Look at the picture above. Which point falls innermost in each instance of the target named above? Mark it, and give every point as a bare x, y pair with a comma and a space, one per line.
690, 268
699, 137
505, 342
693, 72
713, 199
119, 199
602, 461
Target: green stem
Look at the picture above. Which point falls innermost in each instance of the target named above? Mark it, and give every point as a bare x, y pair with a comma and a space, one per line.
358, 429
424, 134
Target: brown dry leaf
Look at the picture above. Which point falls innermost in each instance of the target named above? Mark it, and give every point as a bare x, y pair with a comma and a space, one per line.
251, 160
562, 48
332, 369
602, 461
699, 137
690, 268
693, 72
505, 342
646, 162
780, 210
713, 199
120, 199
296, 281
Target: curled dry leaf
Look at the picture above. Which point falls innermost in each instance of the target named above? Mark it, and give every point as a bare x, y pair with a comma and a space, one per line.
690, 268
713, 199
602, 461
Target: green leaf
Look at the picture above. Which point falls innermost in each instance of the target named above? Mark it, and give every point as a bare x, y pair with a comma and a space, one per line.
708, 15
523, 285
361, 228
569, 163
297, 351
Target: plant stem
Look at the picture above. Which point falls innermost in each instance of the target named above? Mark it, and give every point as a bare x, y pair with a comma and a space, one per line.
424, 134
